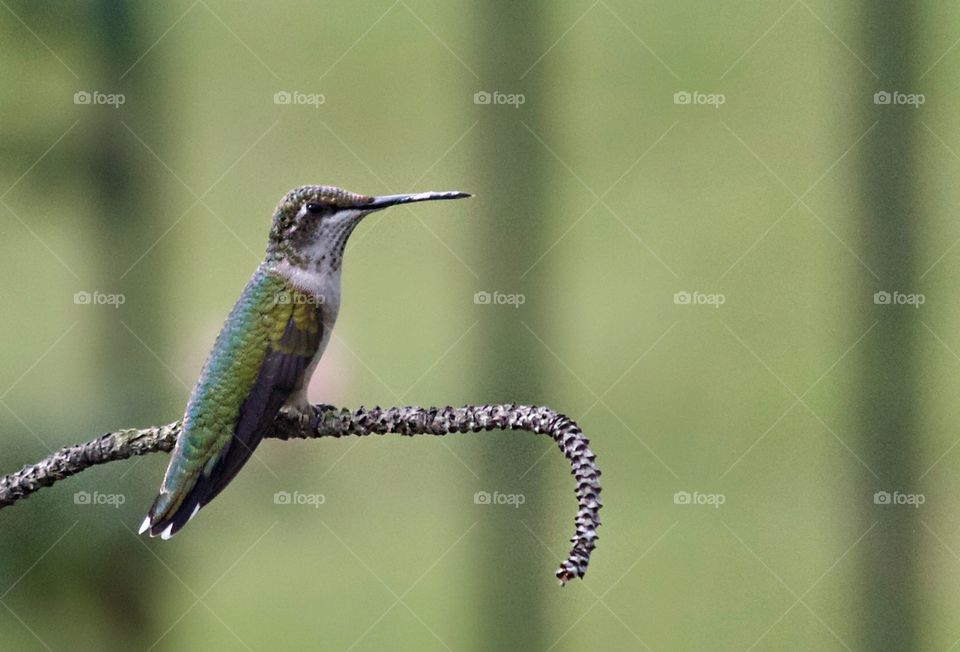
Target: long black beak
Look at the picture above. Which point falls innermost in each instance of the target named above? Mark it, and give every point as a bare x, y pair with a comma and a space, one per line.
393, 200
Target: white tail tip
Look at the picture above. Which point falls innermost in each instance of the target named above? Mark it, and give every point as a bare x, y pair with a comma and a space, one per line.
145, 525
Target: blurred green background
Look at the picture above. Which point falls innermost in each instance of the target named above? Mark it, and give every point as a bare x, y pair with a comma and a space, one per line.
698, 204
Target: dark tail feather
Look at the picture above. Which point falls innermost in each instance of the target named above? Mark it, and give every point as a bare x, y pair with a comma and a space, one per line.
166, 525
164, 519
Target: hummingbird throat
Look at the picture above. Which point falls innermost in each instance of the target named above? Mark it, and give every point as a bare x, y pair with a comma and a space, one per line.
313, 263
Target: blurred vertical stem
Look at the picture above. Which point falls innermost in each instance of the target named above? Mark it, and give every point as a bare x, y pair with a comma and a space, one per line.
888, 404
512, 168
122, 182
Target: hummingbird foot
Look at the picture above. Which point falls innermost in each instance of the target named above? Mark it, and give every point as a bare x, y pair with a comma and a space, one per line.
307, 417
301, 414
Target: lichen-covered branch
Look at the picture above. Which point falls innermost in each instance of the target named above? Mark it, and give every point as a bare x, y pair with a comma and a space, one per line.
327, 421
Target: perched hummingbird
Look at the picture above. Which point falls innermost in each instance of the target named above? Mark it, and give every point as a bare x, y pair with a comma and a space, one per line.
267, 349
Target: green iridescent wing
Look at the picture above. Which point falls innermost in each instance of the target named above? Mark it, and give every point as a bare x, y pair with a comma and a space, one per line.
259, 360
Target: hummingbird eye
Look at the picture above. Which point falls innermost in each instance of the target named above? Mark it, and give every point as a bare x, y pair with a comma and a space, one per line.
314, 209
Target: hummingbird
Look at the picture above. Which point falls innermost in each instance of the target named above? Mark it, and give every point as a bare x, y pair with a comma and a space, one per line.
268, 348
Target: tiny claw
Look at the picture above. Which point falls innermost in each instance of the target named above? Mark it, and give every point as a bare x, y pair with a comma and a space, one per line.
303, 415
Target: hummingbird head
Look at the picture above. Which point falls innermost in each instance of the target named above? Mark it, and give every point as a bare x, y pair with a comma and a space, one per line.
312, 223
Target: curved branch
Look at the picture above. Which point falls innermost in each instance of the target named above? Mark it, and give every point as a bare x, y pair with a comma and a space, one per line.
327, 421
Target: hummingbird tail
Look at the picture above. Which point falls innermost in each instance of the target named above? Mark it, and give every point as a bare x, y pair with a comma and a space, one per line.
165, 517
171, 511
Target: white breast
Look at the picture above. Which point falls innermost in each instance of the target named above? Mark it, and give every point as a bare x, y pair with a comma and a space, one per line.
324, 285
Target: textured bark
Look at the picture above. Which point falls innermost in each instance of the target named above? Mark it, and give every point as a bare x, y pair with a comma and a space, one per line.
327, 421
